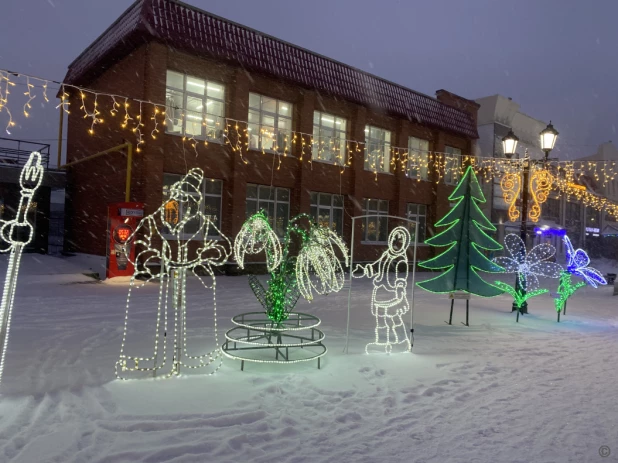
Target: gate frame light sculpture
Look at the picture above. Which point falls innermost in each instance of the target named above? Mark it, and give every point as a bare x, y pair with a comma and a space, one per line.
411, 304
379, 272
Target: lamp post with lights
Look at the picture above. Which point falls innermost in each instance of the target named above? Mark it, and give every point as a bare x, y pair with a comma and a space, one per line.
548, 137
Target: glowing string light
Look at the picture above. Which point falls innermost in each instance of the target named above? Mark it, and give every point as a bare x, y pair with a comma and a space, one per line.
541, 182
510, 190
17, 233
30, 96
175, 265
389, 301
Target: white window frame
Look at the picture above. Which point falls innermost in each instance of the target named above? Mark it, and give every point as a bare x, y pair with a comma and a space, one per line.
264, 138
316, 205
275, 201
452, 165
375, 213
383, 144
418, 158
212, 125
331, 150
198, 236
414, 212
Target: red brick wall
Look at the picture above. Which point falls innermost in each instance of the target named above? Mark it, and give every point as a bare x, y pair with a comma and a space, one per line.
94, 184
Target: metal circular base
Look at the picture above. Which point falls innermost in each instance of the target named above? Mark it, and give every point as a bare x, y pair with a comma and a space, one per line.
256, 338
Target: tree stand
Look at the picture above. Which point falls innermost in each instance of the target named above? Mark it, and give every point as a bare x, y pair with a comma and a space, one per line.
256, 338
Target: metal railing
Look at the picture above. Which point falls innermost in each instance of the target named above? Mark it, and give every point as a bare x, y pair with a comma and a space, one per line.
15, 153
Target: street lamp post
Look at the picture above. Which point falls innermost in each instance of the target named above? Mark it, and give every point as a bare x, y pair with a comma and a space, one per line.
509, 145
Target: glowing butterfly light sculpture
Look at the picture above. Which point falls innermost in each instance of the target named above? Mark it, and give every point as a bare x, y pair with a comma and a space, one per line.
169, 254
528, 267
17, 233
316, 268
577, 262
389, 299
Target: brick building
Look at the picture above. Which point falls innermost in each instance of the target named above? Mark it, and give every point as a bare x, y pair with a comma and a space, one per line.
231, 86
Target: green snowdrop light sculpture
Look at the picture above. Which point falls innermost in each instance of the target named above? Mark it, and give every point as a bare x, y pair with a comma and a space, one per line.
316, 267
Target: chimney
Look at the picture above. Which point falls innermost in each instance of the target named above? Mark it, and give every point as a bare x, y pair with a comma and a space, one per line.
459, 102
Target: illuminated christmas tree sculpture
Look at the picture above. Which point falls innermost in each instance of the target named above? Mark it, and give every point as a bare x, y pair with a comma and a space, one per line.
465, 239
279, 335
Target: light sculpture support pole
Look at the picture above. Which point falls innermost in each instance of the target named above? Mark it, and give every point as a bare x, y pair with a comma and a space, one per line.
413, 279
17, 233
523, 226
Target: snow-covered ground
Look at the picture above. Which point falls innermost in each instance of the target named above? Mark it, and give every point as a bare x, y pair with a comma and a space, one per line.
496, 391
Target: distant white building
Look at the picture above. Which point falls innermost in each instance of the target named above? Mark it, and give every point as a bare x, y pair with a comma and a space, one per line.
496, 116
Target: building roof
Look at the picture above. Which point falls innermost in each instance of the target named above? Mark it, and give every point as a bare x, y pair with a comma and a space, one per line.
184, 27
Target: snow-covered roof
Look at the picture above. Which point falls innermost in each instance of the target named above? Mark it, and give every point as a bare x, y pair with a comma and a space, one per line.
195, 31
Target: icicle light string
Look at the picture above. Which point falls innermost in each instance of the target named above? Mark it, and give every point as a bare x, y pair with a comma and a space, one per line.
236, 134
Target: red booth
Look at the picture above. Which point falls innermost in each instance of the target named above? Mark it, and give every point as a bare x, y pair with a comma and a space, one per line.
122, 219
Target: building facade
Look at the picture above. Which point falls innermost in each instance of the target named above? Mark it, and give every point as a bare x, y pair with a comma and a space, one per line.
274, 127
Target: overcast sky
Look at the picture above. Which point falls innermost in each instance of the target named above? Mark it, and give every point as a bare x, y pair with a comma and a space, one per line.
557, 58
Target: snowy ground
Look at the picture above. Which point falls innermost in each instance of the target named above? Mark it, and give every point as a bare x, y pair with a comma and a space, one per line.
496, 391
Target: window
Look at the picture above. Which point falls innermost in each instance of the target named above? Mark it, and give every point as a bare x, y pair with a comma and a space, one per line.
275, 202
375, 229
327, 210
210, 207
329, 134
418, 213
377, 149
452, 165
270, 124
194, 107
418, 158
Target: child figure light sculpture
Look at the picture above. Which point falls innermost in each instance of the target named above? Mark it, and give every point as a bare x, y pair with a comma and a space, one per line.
389, 300
17, 233
177, 260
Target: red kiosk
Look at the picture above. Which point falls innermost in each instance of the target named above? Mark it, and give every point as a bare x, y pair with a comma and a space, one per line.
122, 219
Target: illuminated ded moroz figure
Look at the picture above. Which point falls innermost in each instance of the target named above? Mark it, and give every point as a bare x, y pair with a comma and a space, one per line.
389, 301
163, 242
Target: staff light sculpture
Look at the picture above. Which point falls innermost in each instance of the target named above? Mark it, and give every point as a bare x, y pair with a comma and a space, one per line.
17, 233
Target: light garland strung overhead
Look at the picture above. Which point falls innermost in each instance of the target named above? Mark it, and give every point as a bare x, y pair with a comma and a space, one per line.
17, 233
389, 300
163, 243
100, 108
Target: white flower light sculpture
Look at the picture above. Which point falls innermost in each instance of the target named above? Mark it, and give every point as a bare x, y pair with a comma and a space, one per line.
174, 268
17, 233
389, 300
317, 266
528, 266
255, 236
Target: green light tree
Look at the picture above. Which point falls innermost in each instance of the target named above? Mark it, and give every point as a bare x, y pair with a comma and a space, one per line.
465, 239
